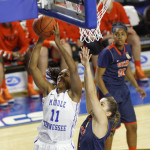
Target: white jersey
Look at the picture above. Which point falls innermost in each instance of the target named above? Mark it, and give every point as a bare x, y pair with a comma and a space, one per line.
60, 116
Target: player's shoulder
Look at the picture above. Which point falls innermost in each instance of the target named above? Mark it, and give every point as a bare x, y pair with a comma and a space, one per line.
127, 47
105, 52
110, 47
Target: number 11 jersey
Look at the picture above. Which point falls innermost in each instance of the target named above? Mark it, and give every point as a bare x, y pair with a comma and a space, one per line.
60, 116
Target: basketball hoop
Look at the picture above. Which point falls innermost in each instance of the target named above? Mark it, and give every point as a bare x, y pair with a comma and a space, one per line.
76, 12
90, 35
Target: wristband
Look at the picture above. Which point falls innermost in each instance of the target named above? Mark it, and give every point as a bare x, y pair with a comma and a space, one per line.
107, 95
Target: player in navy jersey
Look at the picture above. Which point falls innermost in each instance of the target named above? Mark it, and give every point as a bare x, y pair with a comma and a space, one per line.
113, 66
60, 102
96, 128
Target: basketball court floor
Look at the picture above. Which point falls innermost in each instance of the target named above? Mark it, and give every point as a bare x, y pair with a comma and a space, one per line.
20, 120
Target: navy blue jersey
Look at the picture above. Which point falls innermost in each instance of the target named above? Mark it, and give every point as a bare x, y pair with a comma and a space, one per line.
116, 62
87, 140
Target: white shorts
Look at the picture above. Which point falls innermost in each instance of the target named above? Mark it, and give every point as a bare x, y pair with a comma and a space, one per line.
39, 145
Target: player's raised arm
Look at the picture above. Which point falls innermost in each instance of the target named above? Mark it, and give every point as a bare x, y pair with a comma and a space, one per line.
76, 86
92, 103
39, 80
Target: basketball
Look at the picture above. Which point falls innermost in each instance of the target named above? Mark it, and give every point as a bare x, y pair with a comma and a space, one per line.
43, 26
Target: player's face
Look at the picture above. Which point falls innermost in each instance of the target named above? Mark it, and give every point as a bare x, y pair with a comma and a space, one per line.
104, 105
63, 80
120, 36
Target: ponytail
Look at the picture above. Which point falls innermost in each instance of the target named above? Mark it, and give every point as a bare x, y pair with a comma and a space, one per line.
116, 120
115, 115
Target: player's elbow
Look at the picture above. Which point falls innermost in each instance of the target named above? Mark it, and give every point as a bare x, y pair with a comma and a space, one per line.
31, 67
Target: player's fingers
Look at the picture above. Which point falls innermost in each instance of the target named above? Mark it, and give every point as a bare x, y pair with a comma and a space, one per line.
82, 48
81, 55
84, 51
90, 56
143, 95
88, 51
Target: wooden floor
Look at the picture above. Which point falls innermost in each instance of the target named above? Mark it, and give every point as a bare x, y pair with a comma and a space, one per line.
22, 137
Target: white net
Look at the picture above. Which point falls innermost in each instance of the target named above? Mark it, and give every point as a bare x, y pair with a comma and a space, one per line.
90, 35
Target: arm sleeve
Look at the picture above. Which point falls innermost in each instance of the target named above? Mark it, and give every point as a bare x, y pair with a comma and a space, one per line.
123, 16
23, 42
104, 58
4, 52
46, 43
31, 34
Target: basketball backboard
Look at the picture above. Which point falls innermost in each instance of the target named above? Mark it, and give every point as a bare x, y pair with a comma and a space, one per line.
16, 10
82, 13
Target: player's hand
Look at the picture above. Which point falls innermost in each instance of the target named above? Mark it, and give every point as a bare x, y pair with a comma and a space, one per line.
111, 98
85, 56
141, 92
57, 33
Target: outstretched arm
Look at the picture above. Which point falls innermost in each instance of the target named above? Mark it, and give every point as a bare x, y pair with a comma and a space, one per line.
39, 80
92, 103
76, 86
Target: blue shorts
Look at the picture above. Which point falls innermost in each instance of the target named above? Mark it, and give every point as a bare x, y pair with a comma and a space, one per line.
122, 95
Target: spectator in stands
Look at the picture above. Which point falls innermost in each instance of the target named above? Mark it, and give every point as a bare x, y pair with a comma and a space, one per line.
116, 13
13, 47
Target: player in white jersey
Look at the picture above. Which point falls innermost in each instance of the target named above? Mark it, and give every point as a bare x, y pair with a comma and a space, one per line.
60, 102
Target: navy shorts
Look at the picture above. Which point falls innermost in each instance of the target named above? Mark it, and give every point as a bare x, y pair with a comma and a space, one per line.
95, 47
122, 95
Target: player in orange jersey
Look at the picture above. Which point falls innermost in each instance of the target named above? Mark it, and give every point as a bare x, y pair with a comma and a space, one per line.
13, 47
116, 13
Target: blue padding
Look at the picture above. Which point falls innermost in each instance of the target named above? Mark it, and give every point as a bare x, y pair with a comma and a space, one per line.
63, 17
16, 10
90, 15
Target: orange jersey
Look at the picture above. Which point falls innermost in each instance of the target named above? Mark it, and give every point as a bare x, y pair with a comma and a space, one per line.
117, 14
33, 37
12, 38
